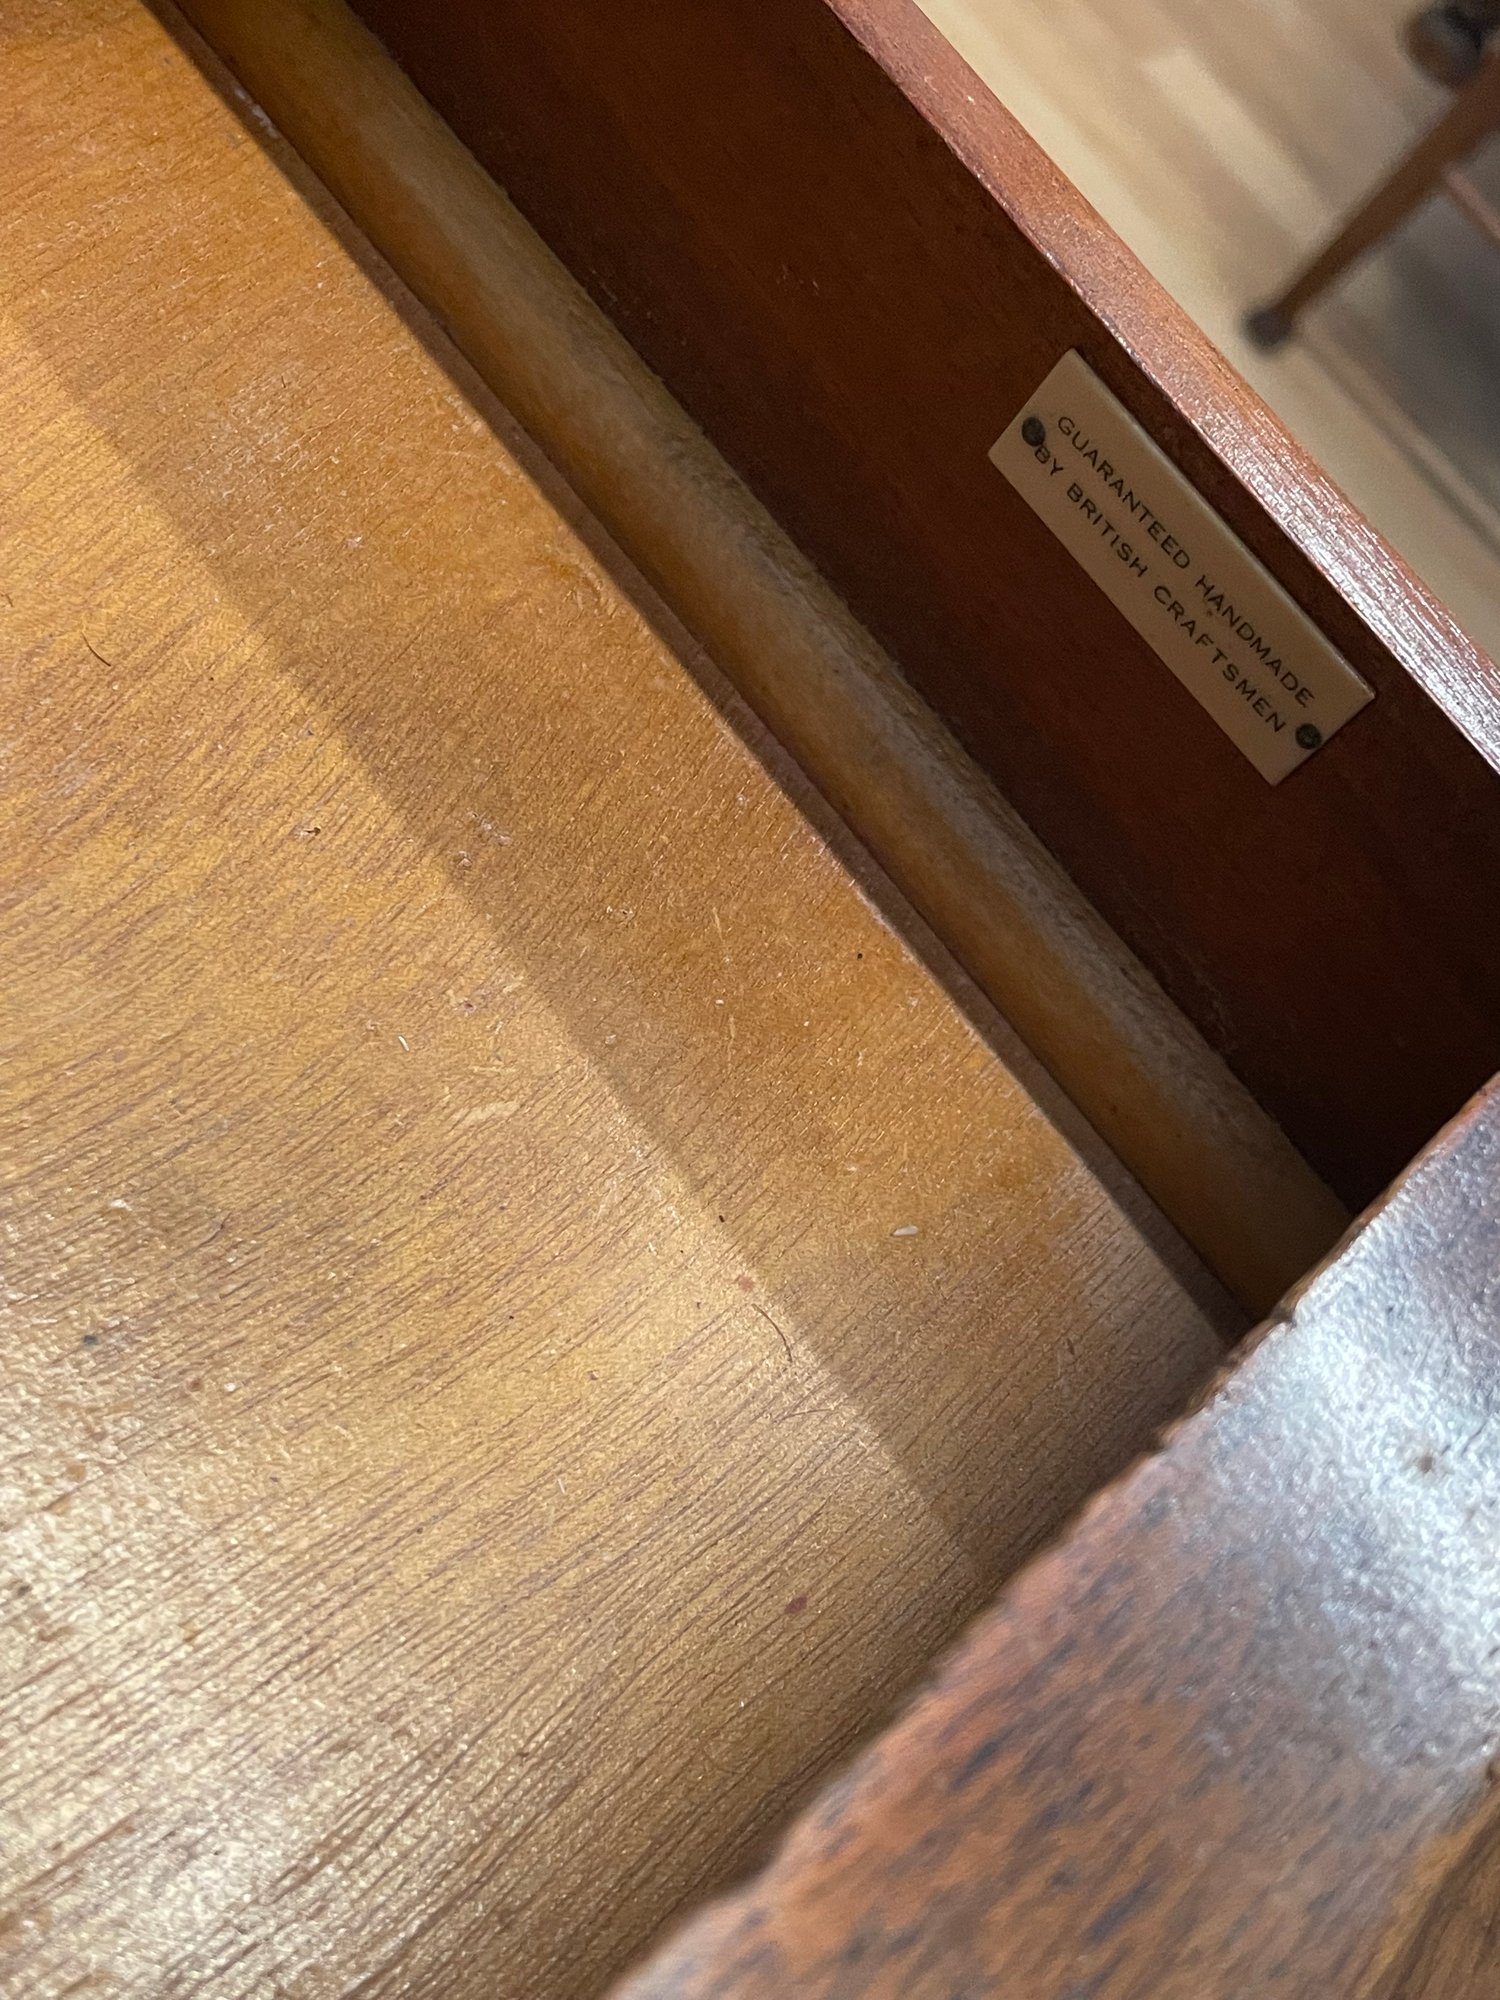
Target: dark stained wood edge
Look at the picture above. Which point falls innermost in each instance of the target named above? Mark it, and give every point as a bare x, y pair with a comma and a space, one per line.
853, 267
1235, 1734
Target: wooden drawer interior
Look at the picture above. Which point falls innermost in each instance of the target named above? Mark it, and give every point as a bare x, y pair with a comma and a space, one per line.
561, 1242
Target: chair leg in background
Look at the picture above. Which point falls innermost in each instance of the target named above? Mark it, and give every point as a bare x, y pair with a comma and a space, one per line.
1473, 115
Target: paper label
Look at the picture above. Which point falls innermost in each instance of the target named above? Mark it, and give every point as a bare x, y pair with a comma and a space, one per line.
1212, 612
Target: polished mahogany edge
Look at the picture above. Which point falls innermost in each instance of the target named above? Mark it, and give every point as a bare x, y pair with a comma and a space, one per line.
852, 267
1234, 1734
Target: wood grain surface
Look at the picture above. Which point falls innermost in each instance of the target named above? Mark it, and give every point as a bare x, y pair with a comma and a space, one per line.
1455, 1947
1159, 1096
529, 1311
854, 268
1237, 1734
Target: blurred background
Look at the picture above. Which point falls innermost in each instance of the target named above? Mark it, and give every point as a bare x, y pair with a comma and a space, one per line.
1226, 141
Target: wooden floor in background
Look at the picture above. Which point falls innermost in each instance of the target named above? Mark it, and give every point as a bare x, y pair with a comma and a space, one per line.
1222, 142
